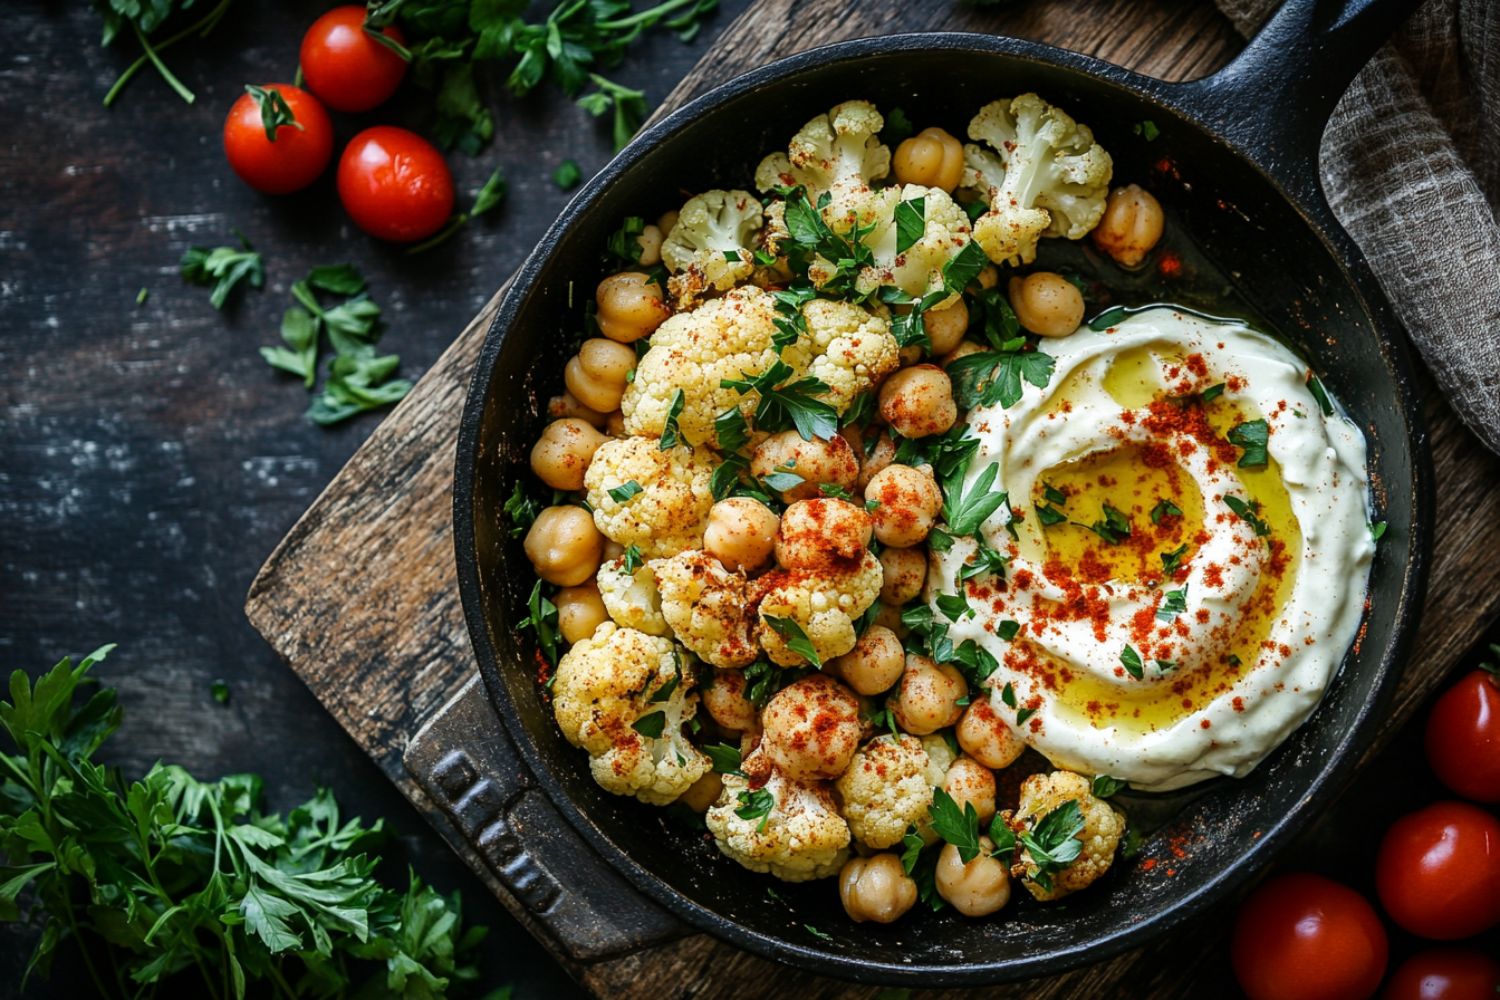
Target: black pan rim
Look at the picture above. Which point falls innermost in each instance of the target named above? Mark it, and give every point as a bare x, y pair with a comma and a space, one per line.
1068, 955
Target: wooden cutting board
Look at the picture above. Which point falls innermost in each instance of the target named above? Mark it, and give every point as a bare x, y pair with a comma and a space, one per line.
361, 597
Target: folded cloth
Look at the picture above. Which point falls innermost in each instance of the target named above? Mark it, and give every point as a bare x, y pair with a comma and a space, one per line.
1411, 166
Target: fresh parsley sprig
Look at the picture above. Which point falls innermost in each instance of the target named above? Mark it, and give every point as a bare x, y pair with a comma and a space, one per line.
187, 886
785, 403
224, 268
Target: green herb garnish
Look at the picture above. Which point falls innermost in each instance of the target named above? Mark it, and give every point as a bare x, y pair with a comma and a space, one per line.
1252, 436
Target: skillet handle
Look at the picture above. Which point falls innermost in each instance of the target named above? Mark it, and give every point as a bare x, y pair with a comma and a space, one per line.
1274, 100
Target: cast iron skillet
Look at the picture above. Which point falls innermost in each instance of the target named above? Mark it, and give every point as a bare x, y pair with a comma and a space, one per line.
1235, 167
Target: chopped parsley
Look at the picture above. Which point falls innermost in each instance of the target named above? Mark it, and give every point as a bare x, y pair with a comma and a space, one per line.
756, 804
1107, 318
1252, 436
224, 268
725, 758
520, 510
959, 827
670, 436
1212, 393
966, 511
991, 377
1248, 512
796, 640
1315, 386
1007, 629
1174, 603
1171, 562
1164, 509
1377, 530
1146, 129
632, 559
542, 619
954, 606
1131, 661
567, 175
1105, 786
793, 404
1114, 528
625, 492
910, 223
652, 725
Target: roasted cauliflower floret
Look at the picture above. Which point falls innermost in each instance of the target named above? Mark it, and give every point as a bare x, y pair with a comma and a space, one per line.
1041, 794
789, 829
838, 154
603, 701
918, 269
1043, 175
694, 352
821, 603
886, 789
707, 606
711, 227
631, 598
853, 349
669, 510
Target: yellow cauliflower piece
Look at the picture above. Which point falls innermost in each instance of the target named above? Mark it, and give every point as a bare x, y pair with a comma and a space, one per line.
724, 338
707, 607
801, 837
603, 690
823, 603
669, 512
1101, 833
886, 789
631, 598
853, 349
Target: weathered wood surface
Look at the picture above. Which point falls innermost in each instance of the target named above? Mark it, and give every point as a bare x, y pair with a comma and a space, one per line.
361, 598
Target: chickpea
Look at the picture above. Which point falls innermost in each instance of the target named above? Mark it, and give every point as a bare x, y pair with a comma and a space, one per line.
580, 610
702, 793
876, 888
881, 454
812, 728
816, 461
631, 306
905, 574
596, 374
564, 546
612, 550
874, 664
568, 406
650, 243
1047, 303
614, 424
917, 401
909, 501
1131, 225
989, 277
666, 223
946, 326
932, 158
726, 702
986, 737
741, 533
815, 532
963, 350
970, 781
927, 699
563, 452
909, 355
976, 889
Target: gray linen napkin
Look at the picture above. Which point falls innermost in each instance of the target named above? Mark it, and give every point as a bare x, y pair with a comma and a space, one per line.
1411, 167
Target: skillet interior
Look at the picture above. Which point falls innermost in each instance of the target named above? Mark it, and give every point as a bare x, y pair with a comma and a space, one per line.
1251, 246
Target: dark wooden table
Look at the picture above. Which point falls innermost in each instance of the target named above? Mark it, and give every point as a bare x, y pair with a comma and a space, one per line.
149, 459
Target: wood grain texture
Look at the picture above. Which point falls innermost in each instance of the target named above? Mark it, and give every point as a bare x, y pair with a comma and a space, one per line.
381, 667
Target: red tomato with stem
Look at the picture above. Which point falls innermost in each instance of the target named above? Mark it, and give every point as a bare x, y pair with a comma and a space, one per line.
1438, 872
303, 142
1305, 937
1463, 737
1445, 974
345, 66
395, 185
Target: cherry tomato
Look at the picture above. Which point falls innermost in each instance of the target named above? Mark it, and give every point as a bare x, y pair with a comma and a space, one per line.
1463, 737
300, 151
1438, 872
346, 67
1445, 974
1306, 937
395, 185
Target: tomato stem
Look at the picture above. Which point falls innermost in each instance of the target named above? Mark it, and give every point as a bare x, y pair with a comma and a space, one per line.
152, 55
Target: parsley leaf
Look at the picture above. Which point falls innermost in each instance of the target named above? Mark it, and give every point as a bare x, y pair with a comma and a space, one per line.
725, 758
965, 512
1053, 842
625, 492
1315, 386
756, 804
910, 223
1171, 562
959, 827
730, 430
631, 559
670, 436
1114, 528
954, 606
1105, 786
792, 404
1164, 509
1131, 661
1174, 603
796, 640
567, 175
542, 620
520, 510
1212, 393
991, 377
224, 268
1247, 512
652, 725
1252, 436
